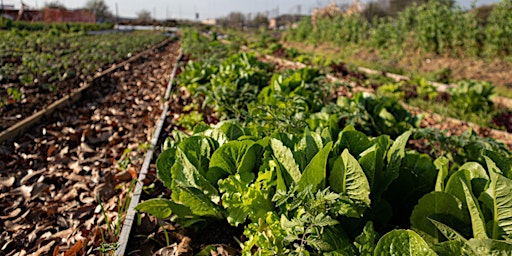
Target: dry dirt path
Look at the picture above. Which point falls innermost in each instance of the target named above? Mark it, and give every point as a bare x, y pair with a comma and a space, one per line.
53, 179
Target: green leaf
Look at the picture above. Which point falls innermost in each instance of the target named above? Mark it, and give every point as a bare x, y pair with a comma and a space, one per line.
498, 198
316, 171
233, 157
477, 218
338, 240
502, 162
307, 148
186, 174
477, 176
162, 208
164, 164
367, 240
348, 177
199, 203
394, 156
487, 247
449, 248
290, 169
472, 175
244, 199
442, 165
440, 206
416, 178
372, 159
197, 150
448, 232
403, 243
356, 142
232, 130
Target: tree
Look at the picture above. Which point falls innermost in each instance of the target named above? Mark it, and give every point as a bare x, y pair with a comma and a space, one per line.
144, 16
54, 5
100, 9
234, 19
260, 20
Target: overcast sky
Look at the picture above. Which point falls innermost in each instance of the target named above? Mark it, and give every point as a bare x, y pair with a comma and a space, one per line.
206, 8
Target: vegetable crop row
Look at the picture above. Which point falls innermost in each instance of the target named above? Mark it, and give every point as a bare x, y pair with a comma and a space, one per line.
467, 100
38, 60
431, 27
306, 171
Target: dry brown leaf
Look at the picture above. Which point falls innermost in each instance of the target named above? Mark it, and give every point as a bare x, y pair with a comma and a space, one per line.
12, 214
22, 191
123, 176
6, 182
56, 251
30, 175
50, 150
45, 249
86, 148
79, 246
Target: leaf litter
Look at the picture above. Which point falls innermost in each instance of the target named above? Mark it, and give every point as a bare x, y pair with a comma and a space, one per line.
63, 183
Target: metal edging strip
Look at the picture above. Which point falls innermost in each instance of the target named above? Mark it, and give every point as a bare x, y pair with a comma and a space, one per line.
130, 215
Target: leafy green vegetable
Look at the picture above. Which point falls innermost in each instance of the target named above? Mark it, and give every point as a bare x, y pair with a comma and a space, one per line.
402, 242
316, 172
436, 206
498, 199
347, 177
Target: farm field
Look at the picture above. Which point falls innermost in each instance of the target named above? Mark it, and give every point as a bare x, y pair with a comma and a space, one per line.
288, 162
69, 177
263, 145
39, 67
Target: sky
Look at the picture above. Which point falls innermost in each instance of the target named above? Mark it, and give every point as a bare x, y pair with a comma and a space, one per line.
206, 8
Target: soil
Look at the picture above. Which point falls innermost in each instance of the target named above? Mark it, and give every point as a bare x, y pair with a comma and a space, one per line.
496, 71
68, 177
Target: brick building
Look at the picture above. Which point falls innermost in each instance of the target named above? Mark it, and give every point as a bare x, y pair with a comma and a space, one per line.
50, 15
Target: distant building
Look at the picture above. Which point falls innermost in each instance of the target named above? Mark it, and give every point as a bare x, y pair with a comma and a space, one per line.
211, 22
284, 21
50, 15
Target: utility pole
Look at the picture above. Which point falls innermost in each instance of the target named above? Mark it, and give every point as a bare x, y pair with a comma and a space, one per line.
117, 13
